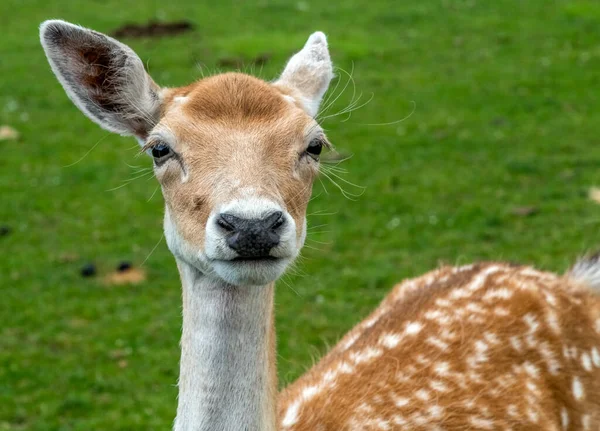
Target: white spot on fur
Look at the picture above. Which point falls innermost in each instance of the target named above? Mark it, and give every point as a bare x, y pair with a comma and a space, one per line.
439, 386
370, 322
423, 395
434, 314
460, 293
365, 408
480, 278
549, 357
531, 322
435, 412
550, 299
500, 293
462, 268
351, 340
532, 387
390, 340
442, 368
482, 423
586, 362
434, 341
399, 420
596, 357
441, 302
578, 391
365, 355
531, 369
475, 308
447, 334
413, 328
564, 418
401, 401
310, 392
291, 414
475, 377
423, 360
480, 346
532, 415
501, 311
419, 419
382, 424
491, 338
345, 368
537, 274
330, 376
439, 317
552, 321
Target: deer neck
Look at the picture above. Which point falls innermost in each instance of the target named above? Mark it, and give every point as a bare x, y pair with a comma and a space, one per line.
227, 376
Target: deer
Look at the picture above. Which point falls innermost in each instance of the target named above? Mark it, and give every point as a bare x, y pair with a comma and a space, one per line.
484, 346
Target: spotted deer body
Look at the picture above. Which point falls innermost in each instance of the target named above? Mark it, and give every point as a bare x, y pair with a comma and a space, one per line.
488, 346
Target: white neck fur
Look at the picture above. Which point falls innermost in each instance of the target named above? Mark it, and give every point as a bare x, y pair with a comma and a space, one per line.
227, 376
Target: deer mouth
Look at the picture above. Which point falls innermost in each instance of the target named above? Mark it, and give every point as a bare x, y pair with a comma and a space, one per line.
255, 259
251, 271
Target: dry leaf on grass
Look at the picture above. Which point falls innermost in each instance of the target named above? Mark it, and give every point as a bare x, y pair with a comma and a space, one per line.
130, 276
7, 133
524, 211
594, 194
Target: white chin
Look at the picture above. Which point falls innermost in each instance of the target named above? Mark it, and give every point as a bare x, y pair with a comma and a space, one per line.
251, 272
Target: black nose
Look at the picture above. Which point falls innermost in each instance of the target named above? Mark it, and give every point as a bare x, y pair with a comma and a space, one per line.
252, 238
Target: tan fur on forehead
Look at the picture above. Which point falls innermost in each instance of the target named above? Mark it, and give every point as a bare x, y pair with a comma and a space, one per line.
233, 96
218, 106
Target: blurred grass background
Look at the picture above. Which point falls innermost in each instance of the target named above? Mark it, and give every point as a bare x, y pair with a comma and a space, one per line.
495, 162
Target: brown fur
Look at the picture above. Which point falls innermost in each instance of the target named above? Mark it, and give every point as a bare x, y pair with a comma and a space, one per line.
468, 330
233, 132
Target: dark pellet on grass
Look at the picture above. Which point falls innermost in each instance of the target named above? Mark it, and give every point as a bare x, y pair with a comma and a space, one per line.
88, 270
4, 230
124, 266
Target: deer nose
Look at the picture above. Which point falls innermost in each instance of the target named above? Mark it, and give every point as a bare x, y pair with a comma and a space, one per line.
252, 238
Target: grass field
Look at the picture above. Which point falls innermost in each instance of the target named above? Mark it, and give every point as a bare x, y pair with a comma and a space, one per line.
505, 123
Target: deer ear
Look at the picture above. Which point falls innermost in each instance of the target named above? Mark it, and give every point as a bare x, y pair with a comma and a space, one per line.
103, 77
309, 72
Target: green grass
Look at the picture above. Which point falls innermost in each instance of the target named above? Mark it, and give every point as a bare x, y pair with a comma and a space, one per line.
507, 115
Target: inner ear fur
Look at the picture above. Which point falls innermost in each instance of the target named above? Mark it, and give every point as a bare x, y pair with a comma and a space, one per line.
104, 78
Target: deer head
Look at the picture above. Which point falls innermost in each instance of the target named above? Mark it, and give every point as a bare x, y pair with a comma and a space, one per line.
235, 156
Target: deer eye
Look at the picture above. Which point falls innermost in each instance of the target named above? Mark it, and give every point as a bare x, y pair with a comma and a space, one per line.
314, 148
161, 152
